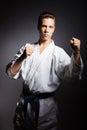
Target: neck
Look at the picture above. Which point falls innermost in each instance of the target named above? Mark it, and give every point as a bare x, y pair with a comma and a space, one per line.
45, 43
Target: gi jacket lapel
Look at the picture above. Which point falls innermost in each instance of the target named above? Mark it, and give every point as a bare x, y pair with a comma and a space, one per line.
37, 60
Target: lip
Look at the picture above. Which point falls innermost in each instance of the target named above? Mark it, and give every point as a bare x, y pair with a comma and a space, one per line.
45, 35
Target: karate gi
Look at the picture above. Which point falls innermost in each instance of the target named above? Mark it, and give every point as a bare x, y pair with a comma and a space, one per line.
44, 73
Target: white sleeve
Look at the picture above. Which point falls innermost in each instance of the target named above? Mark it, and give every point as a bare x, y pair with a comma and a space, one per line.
8, 67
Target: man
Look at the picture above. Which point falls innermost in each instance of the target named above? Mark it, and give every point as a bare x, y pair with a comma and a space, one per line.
42, 66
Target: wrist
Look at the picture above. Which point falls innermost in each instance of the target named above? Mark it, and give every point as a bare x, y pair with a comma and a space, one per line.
76, 51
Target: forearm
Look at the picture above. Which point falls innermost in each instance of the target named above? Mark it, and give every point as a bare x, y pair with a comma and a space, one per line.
76, 66
77, 57
75, 45
17, 64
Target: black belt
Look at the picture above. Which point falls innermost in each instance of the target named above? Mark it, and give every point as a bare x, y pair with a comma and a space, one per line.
34, 97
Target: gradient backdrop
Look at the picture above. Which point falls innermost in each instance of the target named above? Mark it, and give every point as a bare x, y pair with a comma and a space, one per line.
18, 25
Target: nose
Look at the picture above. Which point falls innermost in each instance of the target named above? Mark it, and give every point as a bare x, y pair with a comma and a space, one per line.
46, 29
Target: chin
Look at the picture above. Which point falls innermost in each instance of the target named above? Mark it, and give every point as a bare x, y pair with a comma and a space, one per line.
45, 39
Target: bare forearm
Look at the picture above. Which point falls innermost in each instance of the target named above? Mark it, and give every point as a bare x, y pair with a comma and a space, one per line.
14, 68
75, 45
77, 57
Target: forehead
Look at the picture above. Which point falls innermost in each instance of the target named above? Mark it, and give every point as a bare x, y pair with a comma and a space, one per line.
48, 21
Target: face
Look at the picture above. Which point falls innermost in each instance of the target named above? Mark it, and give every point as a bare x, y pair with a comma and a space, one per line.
47, 29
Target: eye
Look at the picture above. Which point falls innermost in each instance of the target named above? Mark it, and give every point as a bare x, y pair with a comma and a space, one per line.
50, 26
43, 26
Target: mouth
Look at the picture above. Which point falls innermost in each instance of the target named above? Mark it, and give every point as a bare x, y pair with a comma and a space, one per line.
45, 35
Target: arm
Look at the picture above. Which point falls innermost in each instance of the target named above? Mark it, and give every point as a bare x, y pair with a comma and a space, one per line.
78, 63
16, 64
75, 45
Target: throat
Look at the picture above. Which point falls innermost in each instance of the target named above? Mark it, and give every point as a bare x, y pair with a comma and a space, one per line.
43, 46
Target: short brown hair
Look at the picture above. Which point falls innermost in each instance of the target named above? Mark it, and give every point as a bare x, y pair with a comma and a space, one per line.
45, 15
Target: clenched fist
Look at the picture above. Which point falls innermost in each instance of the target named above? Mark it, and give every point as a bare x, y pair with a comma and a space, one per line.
75, 44
28, 50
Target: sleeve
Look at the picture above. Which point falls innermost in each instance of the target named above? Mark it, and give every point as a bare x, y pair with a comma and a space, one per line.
76, 69
67, 68
12, 61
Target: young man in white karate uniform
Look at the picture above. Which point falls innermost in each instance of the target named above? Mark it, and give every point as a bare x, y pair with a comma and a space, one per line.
42, 66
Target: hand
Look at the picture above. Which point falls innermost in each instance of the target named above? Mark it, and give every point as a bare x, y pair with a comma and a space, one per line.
75, 44
28, 50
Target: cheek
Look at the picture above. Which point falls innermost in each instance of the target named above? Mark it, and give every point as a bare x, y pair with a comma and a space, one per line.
41, 30
52, 31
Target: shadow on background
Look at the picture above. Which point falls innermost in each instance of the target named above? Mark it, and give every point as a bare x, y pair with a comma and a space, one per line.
18, 23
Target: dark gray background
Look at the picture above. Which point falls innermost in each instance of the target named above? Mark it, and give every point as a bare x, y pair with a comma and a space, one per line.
18, 25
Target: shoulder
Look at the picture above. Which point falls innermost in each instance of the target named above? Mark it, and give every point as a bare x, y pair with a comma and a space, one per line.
60, 53
59, 50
